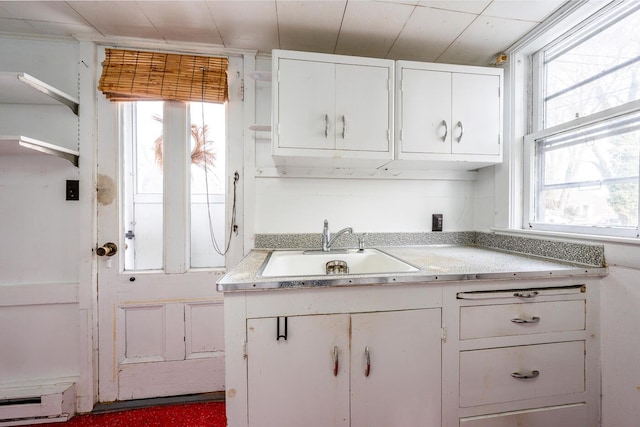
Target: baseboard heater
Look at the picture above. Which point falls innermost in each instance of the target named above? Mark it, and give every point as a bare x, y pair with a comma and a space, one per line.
36, 404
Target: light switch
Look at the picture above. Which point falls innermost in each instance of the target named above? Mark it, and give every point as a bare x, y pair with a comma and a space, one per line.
73, 189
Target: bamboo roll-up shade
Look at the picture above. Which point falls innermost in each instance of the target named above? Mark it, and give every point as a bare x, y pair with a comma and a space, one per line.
129, 75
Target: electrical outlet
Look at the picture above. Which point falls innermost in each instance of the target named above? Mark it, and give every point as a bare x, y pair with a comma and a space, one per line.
436, 222
73, 189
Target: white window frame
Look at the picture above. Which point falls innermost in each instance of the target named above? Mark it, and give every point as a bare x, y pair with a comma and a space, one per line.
530, 184
528, 129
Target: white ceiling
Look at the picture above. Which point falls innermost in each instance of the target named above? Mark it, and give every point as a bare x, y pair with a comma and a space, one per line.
451, 31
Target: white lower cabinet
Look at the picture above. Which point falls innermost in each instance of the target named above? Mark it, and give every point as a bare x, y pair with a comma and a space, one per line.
525, 357
476, 353
360, 370
564, 416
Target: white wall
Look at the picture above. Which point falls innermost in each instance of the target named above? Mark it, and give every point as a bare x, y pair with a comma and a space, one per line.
300, 205
620, 348
39, 229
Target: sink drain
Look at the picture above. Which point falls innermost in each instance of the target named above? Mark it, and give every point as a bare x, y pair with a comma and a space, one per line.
337, 267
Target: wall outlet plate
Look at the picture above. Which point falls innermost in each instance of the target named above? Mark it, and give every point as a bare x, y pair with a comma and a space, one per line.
436, 222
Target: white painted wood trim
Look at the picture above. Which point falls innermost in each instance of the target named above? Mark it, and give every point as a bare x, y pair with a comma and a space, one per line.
248, 178
87, 385
176, 188
381, 173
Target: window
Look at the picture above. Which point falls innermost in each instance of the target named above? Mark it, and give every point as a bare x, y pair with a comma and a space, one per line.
594, 69
144, 169
584, 151
180, 179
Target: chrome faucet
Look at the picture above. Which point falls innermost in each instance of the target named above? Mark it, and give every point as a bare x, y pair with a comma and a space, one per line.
327, 241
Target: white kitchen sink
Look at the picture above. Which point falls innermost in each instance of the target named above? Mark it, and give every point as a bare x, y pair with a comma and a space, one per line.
314, 263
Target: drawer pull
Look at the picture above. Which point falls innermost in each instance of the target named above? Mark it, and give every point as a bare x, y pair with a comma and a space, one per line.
335, 361
525, 294
534, 319
518, 375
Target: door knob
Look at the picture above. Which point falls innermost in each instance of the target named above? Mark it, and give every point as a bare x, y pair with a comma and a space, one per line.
108, 249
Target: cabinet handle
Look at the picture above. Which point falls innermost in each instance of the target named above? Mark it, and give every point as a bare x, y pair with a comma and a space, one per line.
344, 126
534, 319
278, 334
459, 124
446, 130
367, 370
335, 361
525, 294
326, 125
519, 376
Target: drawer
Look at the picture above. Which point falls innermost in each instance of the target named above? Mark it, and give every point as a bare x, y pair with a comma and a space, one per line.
521, 319
489, 376
567, 416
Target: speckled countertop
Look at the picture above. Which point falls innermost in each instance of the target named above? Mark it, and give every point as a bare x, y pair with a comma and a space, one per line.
436, 263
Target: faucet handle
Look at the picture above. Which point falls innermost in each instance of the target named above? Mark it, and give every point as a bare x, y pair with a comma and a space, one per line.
361, 241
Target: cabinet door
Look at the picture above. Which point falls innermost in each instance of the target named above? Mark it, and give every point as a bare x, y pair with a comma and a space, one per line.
306, 104
475, 114
426, 112
291, 383
403, 385
363, 108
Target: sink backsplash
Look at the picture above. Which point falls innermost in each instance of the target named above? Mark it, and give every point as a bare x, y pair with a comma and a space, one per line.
314, 240
580, 253
566, 251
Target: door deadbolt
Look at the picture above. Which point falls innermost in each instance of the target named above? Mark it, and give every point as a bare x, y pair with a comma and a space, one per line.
108, 249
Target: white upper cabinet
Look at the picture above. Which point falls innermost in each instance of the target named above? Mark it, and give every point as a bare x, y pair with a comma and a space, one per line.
448, 116
332, 110
341, 111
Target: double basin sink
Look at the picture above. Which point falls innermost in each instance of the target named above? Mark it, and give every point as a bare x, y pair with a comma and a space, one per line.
319, 263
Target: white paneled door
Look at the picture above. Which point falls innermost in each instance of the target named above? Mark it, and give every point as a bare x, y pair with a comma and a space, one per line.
161, 331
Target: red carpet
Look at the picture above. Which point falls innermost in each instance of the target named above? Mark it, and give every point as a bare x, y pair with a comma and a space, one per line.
208, 414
